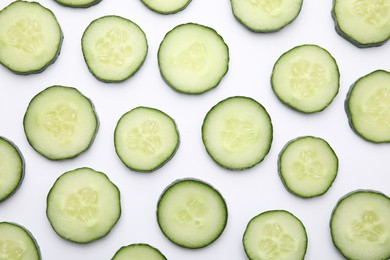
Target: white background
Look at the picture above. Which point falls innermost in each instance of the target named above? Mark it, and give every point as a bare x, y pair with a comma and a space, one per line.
247, 193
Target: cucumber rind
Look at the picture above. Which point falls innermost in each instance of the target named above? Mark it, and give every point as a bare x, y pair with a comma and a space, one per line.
33, 249
21, 173
166, 11
332, 173
186, 241
145, 252
85, 4
350, 114
359, 252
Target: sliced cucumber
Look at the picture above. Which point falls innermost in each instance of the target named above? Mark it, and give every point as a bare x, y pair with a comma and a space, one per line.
191, 213
11, 168
360, 225
306, 78
16, 242
138, 252
145, 139
166, 6
60, 122
237, 133
114, 48
193, 58
83, 205
78, 3
30, 37
367, 106
365, 23
266, 15
275, 234
308, 166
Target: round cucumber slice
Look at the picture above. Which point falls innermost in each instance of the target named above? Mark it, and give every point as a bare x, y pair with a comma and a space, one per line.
16, 242
237, 133
364, 23
83, 205
78, 3
139, 252
60, 122
114, 48
191, 213
308, 166
193, 58
30, 37
367, 106
145, 139
266, 15
12, 168
360, 226
275, 234
306, 78
166, 6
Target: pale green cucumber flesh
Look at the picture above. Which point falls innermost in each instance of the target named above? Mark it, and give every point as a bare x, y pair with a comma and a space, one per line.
275, 234
139, 252
30, 37
12, 167
265, 15
237, 133
191, 213
368, 106
306, 78
365, 23
193, 58
360, 226
60, 122
166, 6
114, 48
145, 139
308, 166
78, 3
83, 205
16, 242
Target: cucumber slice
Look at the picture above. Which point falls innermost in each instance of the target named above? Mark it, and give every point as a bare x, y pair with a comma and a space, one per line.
16, 242
145, 139
266, 15
275, 234
193, 58
12, 168
360, 225
30, 37
191, 213
237, 133
367, 106
166, 6
114, 48
308, 166
306, 78
60, 122
364, 23
83, 205
78, 3
138, 252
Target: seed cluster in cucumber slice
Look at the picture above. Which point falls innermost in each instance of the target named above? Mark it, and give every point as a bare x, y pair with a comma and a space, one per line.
78, 3
30, 37
139, 251
166, 6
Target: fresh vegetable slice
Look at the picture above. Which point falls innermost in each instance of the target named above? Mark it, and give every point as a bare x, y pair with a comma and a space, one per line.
266, 15
146, 138
60, 122
30, 37
114, 48
308, 166
191, 213
237, 132
78, 3
306, 78
364, 23
83, 205
367, 106
166, 6
360, 225
16, 242
140, 251
193, 58
275, 234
